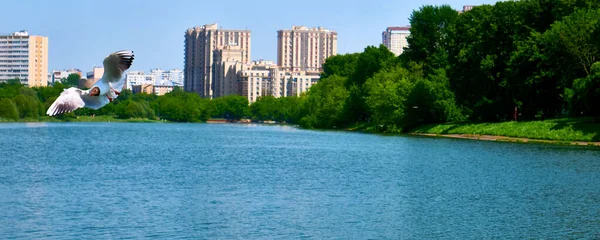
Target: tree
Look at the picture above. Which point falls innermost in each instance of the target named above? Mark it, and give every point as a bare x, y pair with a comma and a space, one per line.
342, 65
8, 109
72, 80
577, 34
27, 106
386, 98
325, 104
428, 37
265, 108
370, 61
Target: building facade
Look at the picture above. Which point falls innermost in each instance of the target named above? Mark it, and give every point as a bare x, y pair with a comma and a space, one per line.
305, 49
260, 78
299, 82
58, 75
466, 8
265, 78
162, 77
200, 45
138, 78
228, 62
24, 57
394, 38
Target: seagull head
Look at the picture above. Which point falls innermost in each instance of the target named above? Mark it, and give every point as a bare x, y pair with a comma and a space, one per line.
95, 91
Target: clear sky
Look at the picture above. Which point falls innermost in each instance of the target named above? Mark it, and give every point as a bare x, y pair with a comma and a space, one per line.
81, 33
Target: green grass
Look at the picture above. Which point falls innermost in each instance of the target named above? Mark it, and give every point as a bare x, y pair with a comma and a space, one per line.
574, 129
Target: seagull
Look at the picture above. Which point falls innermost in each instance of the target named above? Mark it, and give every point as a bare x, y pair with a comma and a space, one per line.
104, 90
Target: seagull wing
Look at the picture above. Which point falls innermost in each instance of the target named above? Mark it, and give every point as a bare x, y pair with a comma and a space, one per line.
115, 64
73, 98
68, 101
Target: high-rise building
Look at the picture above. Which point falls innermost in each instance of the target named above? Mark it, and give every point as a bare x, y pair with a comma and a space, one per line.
394, 38
24, 57
305, 49
200, 45
228, 62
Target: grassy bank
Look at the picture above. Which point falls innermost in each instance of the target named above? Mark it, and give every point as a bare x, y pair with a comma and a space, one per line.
81, 119
580, 129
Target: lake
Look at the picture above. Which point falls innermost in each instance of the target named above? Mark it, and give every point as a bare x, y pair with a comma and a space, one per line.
250, 181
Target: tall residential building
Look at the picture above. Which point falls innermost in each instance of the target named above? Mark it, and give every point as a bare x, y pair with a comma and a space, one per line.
228, 62
305, 49
394, 38
200, 45
24, 57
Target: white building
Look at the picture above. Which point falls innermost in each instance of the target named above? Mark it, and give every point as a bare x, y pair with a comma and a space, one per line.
394, 38
172, 77
265, 78
58, 75
176, 76
134, 78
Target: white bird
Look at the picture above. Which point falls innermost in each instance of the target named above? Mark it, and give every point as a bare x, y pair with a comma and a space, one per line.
103, 91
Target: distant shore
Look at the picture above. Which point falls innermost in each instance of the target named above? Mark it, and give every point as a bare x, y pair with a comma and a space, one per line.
578, 131
133, 120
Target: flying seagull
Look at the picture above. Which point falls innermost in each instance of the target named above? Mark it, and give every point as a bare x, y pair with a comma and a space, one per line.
104, 90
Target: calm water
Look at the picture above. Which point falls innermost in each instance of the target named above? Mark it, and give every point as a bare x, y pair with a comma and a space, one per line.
226, 181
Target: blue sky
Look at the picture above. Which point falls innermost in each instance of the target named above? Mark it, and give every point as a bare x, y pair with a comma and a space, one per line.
82, 33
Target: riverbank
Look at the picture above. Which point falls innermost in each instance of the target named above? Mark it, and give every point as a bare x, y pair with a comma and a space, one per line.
82, 119
577, 131
134, 120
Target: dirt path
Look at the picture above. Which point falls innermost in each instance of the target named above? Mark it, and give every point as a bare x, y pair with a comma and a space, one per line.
507, 139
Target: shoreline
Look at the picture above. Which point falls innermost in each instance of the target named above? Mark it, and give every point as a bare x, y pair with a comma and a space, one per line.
482, 137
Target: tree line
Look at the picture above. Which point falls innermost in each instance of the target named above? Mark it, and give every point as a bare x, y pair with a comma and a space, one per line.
538, 57
20, 102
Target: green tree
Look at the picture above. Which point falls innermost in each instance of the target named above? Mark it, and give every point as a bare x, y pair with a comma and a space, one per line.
265, 108
71, 81
428, 40
386, 98
342, 65
27, 106
8, 109
325, 104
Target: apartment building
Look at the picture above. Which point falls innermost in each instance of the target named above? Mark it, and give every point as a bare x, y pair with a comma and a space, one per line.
394, 38
138, 78
167, 77
58, 75
200, 45
228, 61
305, 49
24, 57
